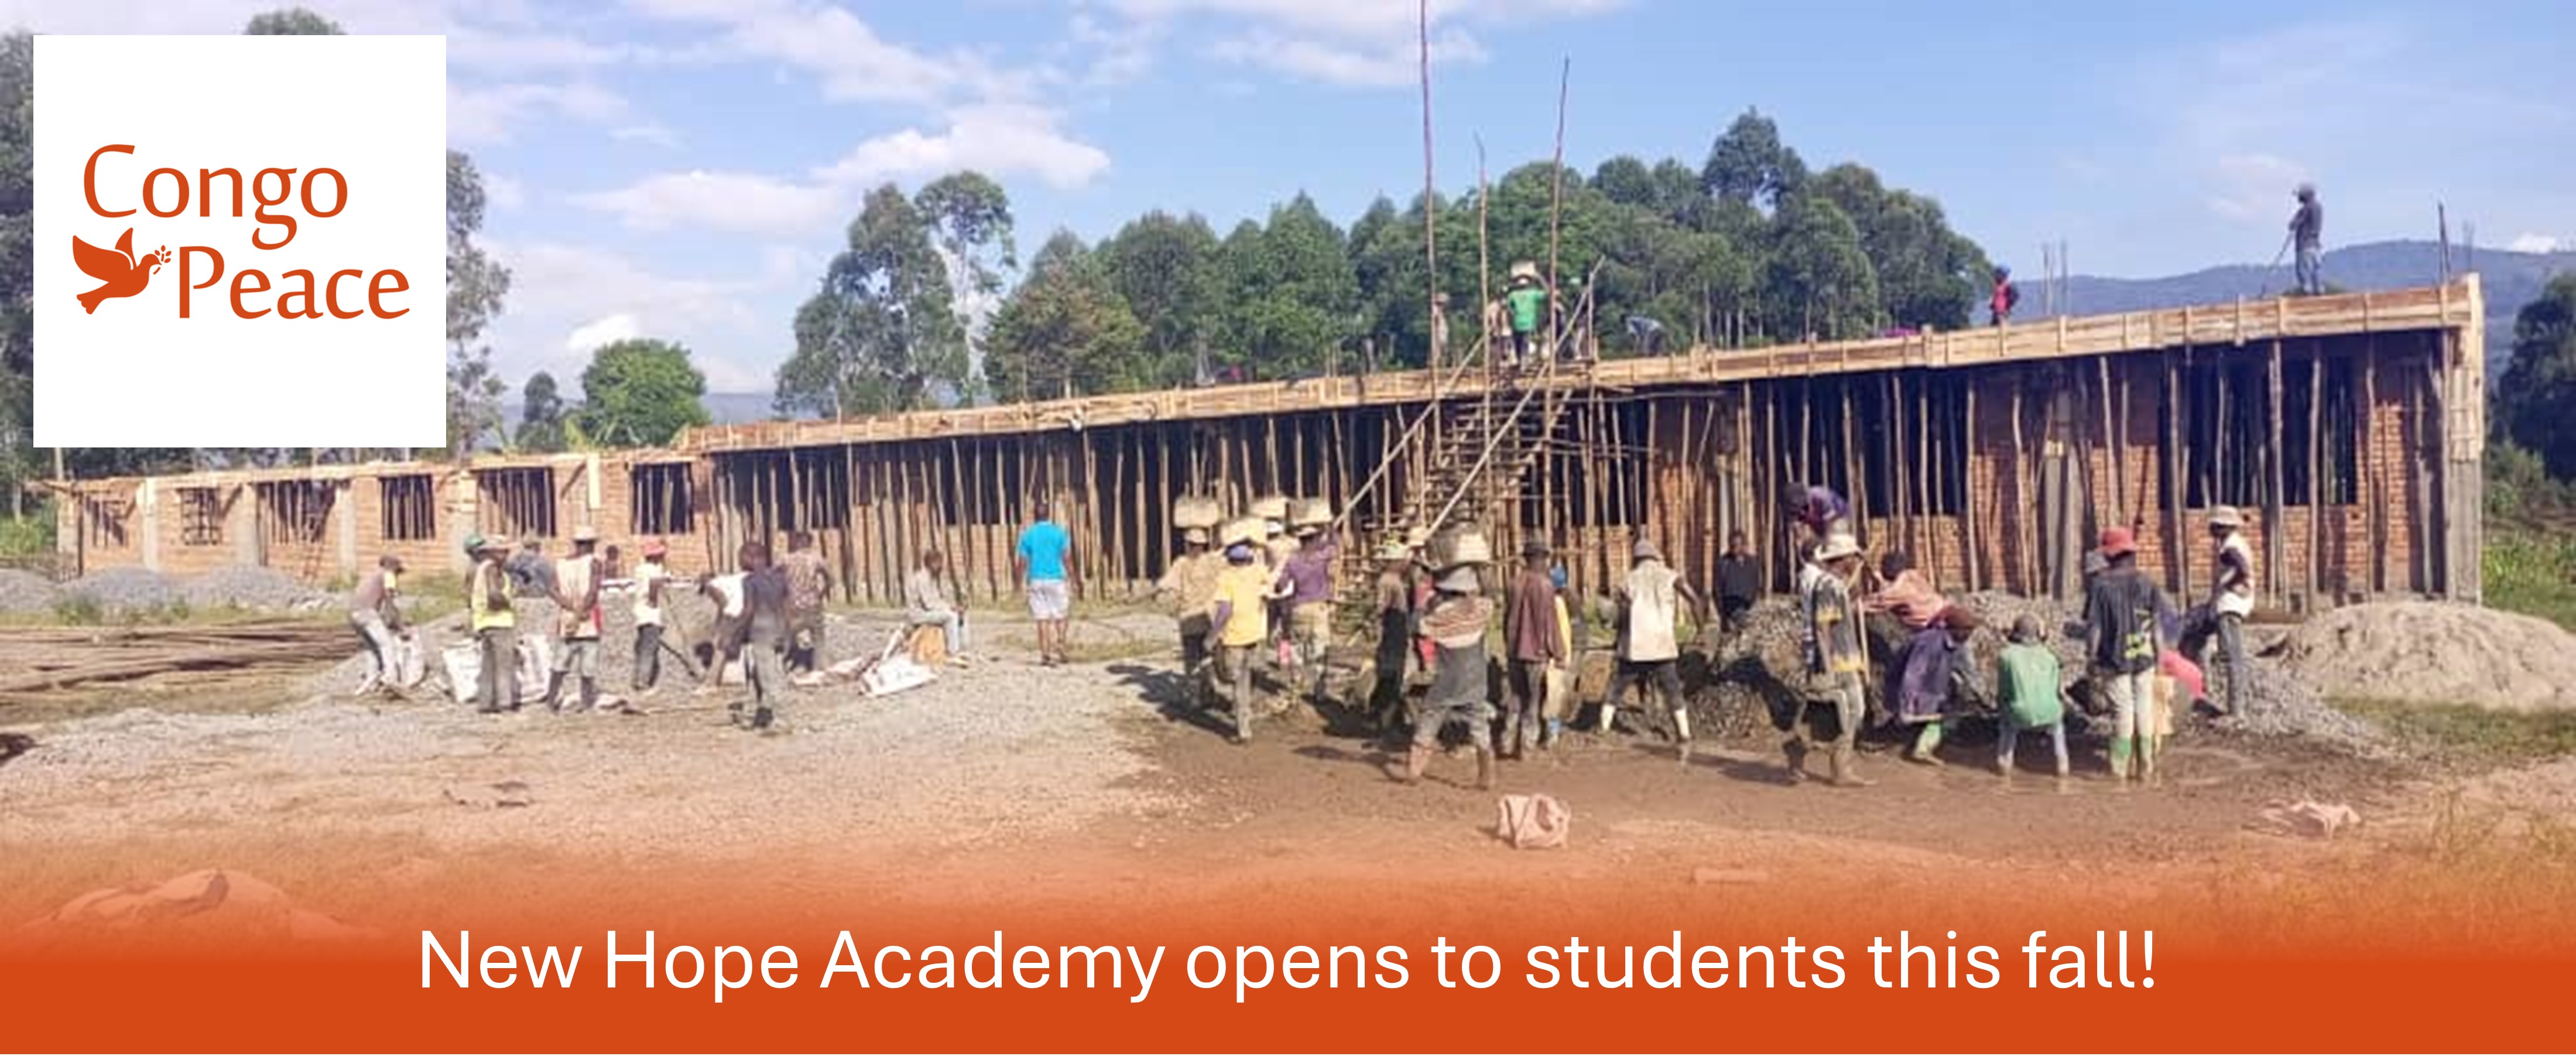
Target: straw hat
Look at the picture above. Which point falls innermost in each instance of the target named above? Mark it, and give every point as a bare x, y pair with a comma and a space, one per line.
1836, 547
1241, 531
2226, 517
1645, 551
1525, 270
585, 534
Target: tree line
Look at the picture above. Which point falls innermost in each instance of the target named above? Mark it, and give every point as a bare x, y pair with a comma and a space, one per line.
1745, 249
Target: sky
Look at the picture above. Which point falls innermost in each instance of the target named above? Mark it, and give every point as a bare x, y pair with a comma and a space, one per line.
683, 169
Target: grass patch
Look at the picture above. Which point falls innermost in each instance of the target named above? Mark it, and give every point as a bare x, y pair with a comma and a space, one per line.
2469, 739
2533, 571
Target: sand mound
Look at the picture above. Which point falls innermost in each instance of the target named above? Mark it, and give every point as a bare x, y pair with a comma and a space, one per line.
2437, 653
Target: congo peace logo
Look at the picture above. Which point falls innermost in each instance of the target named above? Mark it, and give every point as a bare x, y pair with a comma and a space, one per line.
166, 192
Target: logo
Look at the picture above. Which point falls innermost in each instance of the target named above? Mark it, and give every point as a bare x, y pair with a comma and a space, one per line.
249, 217
125, 275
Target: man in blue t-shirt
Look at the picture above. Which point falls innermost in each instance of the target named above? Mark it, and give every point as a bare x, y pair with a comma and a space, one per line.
1043, 565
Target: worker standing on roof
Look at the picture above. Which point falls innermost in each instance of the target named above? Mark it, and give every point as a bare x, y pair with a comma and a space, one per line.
2307, 235
2006, 296
1527, 297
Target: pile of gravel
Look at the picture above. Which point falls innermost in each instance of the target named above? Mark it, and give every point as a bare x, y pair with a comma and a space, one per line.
2437, 653
1748, 681
24, 593
122, 591
250, 587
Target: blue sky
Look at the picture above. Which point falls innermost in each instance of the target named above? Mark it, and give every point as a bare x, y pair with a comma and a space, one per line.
682, 168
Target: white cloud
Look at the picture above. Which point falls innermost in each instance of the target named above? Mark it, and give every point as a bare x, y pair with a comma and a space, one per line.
852, 61
493, 115
732, 202
597, 334
1000, 140
2539, 244
504, 192
648, 133
1364, 43
2253, 186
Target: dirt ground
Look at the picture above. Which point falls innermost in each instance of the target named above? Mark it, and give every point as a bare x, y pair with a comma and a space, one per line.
1007, 781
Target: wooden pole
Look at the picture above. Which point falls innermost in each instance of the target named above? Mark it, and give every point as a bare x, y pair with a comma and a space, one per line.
2316, 568
1430, 209
1556, 200
2174, 497
1968, 491
2367, 425
2273, 547
2024, 512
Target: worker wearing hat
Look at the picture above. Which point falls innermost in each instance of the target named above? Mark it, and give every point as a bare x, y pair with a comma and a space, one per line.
577, 620
1305, 589
650, 580
377, 619
1238, 611
2124, 614
1455, 623
1651, 597
1188, 588
1526, 296
1837, 666
1392, 603
494, 619
2231, 600
1536, 644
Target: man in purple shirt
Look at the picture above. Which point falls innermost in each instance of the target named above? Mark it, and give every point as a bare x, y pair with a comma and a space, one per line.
1306, 581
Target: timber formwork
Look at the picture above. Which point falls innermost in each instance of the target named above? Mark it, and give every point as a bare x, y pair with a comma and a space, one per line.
2348, 428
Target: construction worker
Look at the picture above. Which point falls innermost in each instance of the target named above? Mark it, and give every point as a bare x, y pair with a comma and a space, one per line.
1931, 673
765, 633
2003, 298
377, 619
651, 582
2307, 235
927, 602
1560, 677
725, 642
1189, 588
2231, 600
1456, 623
1650, 599
495, 623
1306, 582
2122, 618
2026, 684
1239, 610
1439, 326
530, 573
1818, 509
1837, 666
809, 584
1739, 582
1645, 334
1042, 564
1526, 296
577, 620
1535, 642
1394, 608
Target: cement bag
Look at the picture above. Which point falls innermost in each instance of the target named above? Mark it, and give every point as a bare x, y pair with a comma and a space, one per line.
1196, 511
1533, 821
895, 674
536, 664
1461, 546
1271, 507
464, 670
408, 663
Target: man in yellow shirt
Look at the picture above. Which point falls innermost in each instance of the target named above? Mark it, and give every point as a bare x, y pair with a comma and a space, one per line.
496, 626
1240, 615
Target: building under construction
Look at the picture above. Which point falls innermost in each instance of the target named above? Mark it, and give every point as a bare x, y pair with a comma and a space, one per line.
2348, 428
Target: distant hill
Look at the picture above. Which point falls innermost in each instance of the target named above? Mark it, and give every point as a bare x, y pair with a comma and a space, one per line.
2511, 279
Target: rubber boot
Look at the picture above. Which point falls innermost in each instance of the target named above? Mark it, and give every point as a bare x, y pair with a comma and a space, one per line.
1928, 743
1795, 752
1609, 716
1681, 728
2121, 750
1555, 731
1485, 769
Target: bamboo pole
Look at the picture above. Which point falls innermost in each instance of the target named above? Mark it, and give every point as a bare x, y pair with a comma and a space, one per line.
2367, 425
1968, 492
2316, 572
1556, 201
1430, 210
2024, 512
2273, 533
2178, 535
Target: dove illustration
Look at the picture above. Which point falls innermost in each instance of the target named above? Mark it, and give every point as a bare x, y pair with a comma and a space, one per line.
125, 274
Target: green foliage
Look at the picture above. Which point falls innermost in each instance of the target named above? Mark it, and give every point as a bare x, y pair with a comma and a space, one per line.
1750, 163
541, 415
1067, 331
1169, 272
2532, 396
882, 334
969, 217
291, 22
2532, 572
28, 535
639, 393
476, 284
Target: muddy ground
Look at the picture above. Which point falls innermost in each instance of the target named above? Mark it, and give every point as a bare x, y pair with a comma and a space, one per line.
1013, 783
